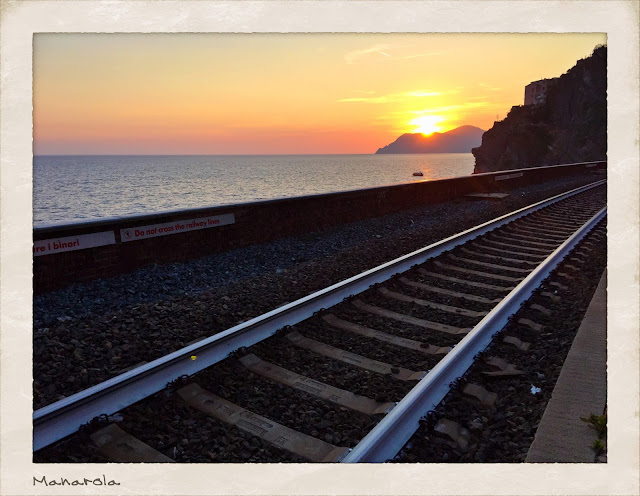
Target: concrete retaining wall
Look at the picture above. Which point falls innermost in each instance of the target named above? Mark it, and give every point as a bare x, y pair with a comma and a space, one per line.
81, 251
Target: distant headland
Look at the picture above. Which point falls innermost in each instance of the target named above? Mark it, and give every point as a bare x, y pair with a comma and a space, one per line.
459, 140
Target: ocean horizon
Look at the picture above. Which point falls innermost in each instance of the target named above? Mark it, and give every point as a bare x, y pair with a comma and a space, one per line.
73, 188
229, 154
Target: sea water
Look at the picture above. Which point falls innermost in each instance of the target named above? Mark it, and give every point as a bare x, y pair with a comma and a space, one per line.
74, 188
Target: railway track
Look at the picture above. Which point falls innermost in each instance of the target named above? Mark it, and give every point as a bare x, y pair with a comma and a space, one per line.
491, 415
344, 374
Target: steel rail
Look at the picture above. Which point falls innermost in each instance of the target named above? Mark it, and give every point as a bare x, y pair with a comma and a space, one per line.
62, 418
388, 437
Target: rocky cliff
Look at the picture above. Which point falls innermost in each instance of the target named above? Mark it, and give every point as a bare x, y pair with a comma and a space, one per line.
459, 140
571, 126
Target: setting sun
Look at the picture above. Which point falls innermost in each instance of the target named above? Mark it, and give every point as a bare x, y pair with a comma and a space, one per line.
427, 124
138, 93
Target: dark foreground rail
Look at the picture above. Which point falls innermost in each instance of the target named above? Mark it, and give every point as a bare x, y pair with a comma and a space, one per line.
82, 251
509, 255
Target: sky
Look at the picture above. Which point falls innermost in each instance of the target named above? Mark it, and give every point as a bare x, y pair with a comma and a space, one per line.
271, 93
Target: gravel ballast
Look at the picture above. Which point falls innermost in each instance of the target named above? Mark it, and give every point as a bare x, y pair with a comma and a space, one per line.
90, 332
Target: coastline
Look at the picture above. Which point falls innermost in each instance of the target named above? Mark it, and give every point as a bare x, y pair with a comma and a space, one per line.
82, 188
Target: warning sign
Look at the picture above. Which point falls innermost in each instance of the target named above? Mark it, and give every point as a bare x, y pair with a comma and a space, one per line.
175, 227
71, 243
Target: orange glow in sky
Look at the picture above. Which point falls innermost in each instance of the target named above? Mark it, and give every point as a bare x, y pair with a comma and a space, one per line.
279, 93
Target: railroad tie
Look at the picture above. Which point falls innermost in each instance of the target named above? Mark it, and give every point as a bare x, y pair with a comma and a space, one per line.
353, 359
521, 345
552, 213
408, 319
122, 447
505, 369
559, 286
485, 397
460, 435
504, 259
525, 225
558, 231
560, 220
536, 240
572, 267
559, 236
564, 275
550, 295
464, 281
510, 252
315, 388
551, 216
557, 226
541, 239
411, 344
278, 435
534, 231
488, 275
568, 210
531, 324
448, 292
571, 210
425, 303
540, 309
510, 238
510, 245
489, 265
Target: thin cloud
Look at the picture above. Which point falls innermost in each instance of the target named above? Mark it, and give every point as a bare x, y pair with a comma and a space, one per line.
393, 97
467, 105
421, 55
421, 94
355, 55
490, 88
374, 99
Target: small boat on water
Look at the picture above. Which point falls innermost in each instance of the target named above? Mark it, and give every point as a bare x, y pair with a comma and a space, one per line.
418, 173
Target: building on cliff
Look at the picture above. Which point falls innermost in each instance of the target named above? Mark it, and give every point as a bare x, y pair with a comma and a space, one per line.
569, 126
536, 93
